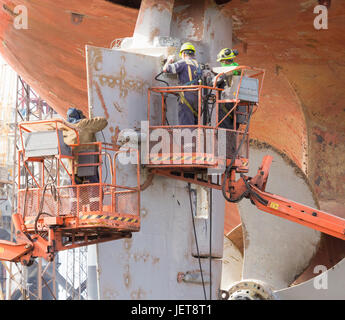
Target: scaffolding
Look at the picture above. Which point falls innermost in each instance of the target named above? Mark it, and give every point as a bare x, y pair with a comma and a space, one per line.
7, 102
66, 276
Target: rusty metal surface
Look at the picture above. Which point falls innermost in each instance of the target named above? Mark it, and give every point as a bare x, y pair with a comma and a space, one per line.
117, 81
301, 113
301, 110
164, 248
276, 250
153, 20
232, 264
59, 74
329, 251
329, 285
204, 23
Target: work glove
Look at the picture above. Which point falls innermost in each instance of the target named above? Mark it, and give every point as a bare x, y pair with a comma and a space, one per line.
171, 59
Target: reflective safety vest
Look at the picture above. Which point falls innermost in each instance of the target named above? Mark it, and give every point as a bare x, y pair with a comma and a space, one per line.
188, 71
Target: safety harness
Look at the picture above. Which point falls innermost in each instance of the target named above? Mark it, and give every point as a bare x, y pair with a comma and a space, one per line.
185, 101
191, 81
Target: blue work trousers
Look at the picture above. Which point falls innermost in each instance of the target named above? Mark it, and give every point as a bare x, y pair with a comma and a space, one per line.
185, 114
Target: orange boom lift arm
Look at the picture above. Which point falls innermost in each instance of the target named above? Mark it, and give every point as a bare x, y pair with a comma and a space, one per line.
30, 246
254, 189
236, 163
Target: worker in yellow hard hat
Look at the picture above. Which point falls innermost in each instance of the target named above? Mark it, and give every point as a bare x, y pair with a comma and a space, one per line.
187, 46
226, 58
189, 73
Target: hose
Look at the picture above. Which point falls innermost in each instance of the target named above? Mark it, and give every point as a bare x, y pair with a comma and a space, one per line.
158, 75
54, 193
207, 118
196, 240
253, 193
165, 95
40, 211
227, 171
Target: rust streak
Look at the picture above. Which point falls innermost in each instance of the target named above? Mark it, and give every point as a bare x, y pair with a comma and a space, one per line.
9, 10
99, 93
117, 107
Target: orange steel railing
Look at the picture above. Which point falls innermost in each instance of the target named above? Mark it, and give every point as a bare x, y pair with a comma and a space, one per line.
29, 198
245, 71
163, 91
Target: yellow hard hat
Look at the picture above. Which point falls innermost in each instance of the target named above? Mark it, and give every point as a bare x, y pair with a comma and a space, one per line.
187, 46
226, 54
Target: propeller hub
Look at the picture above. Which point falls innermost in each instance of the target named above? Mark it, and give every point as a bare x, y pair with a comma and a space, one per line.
250, 290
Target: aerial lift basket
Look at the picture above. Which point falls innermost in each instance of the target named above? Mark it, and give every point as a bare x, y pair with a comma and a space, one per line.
244, 96
55, 213
209, 144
